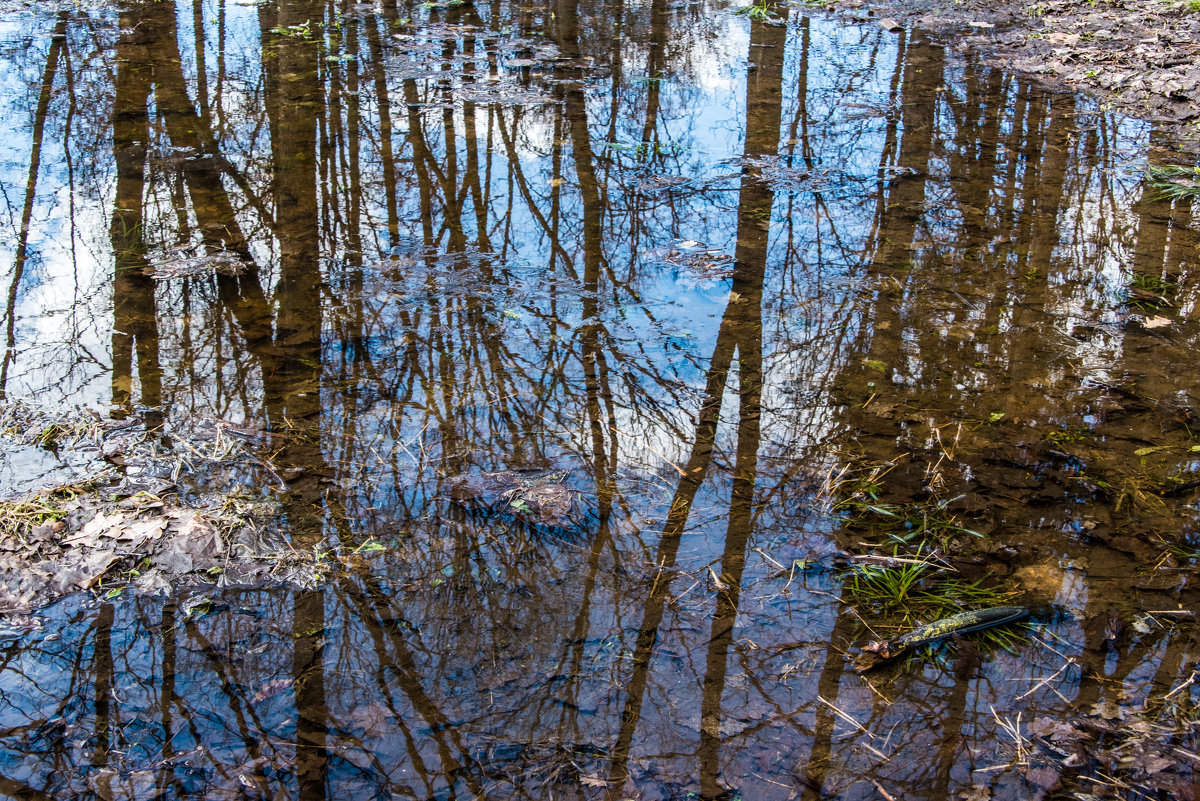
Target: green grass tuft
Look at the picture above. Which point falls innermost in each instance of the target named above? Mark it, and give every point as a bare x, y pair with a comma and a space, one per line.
1174, 182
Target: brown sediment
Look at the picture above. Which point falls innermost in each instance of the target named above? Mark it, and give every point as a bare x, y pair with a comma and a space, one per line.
1140, 57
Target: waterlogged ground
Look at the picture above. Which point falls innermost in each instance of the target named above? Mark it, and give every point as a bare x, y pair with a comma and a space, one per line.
504, 401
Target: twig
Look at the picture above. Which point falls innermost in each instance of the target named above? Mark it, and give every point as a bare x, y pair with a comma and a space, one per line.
681, 595
846, 717
1190, 681
1013, 730
764, 555
886, 795
1188, 754
1045, 681
720, 585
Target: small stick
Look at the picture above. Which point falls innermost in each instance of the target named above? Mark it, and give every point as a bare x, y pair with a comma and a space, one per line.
886, 795
1194, 757
1045, 681
1190, 681
844, 716
681, 595
1052, 648
720, 585
764, 555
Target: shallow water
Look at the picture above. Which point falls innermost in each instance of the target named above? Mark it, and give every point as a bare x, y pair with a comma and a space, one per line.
700, 262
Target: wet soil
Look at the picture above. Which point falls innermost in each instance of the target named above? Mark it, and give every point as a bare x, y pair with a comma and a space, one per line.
1140, 57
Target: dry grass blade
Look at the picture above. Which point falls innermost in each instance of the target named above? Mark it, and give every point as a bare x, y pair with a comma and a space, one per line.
1012, 728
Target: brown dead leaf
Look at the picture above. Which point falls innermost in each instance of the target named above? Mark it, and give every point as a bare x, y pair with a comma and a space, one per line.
138, 531
1044, 777
1108, 709
1151, 763
370, 717
99, 526
82, 571
195, 545
978, 792
1056, 730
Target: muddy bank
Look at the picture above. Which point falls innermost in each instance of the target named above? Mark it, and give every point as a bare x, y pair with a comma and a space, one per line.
133, 508
1142, 58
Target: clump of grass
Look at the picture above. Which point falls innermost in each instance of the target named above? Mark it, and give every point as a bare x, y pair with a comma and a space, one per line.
901, 597
913, 585
762, 11
1175, 182
306, 30
1185, 550
914, 523
1147, 292
918, 591
30, 425
1137, 491
856, 493
19, 516
1147, 283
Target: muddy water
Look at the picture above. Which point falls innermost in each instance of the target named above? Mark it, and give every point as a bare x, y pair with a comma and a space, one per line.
699, 265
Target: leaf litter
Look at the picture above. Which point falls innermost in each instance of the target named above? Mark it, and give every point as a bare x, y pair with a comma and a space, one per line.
132, 520
1138, 56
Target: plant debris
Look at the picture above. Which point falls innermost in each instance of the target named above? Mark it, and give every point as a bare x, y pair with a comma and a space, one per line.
538, 496
880, 651
193, 266
1151, 754
1139, 56
133, 520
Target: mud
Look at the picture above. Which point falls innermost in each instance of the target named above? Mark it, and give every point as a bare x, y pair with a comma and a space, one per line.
1140, 57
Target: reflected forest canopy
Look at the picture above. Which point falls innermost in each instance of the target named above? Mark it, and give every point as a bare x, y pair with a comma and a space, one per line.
482, 400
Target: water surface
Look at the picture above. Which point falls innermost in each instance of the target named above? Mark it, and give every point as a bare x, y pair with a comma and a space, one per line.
700, 262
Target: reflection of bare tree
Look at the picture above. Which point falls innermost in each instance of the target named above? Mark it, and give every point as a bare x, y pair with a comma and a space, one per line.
135, 326
107, 720
57, 45
377, 611
744, 317
294, 104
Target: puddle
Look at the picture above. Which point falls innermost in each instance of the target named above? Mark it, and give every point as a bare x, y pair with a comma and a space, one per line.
595, 382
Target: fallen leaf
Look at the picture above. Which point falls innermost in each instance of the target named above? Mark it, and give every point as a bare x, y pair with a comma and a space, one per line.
94, 529
370, 717
1156, 322
978, 792
1108, 709
1151, 763
139, 531
151, 583
195, 545
1055, 730
273, 687
92, 567
1044, 777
